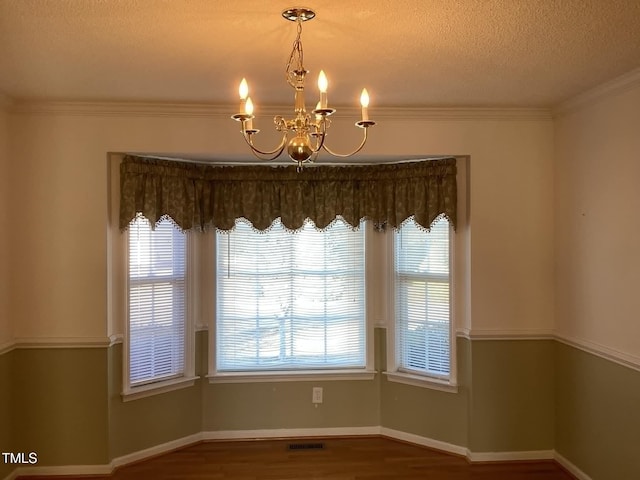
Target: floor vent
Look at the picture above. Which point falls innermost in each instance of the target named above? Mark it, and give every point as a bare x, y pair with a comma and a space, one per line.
305, 446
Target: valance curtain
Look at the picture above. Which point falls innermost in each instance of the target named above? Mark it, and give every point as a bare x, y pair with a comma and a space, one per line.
200, 196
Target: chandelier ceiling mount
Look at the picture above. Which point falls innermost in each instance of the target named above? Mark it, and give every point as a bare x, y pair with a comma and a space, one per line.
308, 130
299, 13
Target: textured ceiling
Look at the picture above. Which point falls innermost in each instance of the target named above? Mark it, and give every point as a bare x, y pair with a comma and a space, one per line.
464, 53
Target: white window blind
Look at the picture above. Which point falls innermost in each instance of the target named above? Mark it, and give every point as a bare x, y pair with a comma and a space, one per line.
157, 263
290, 300
422, 299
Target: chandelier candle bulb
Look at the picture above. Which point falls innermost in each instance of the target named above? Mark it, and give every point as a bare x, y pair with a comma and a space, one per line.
322, 85
243, 90
364, 101
249, 111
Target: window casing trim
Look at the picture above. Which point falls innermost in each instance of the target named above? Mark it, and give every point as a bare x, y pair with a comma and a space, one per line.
423, 381
394, 372
156, 388
215, 376
293, 376
187, 378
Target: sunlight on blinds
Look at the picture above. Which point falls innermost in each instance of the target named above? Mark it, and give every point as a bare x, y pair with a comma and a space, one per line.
422, 300
157, 263
290, 300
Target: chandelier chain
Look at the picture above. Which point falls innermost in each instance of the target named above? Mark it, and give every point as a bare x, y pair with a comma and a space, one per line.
297, 55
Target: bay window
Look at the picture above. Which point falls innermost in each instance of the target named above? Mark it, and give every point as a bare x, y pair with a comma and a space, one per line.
281, 276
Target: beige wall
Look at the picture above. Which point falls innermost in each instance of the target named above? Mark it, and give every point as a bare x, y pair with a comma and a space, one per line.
511, 212
6, 335
596, 403
597, 274
61, 179
59, 282
596, 224
514, 395
6, 408
59, 405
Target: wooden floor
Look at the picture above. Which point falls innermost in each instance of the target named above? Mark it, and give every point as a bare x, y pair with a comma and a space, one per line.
341, 459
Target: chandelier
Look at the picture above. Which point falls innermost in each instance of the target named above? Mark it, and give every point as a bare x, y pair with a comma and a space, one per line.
303, 135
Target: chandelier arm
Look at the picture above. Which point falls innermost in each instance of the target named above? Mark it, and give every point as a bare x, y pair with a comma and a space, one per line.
263, 158
312, 158
320, 138
275, 152
345, 155
319, 142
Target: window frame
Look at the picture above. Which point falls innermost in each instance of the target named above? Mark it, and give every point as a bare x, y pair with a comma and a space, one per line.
446, 383
188, 377
301, 374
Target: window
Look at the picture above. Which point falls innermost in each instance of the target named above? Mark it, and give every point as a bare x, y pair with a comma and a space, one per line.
157, 326
290, 301
277, 305
423, 300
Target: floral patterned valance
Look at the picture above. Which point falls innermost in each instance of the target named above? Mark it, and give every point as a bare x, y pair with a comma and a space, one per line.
201, 196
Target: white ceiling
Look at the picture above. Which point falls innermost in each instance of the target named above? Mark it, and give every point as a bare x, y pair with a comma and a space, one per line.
420, 53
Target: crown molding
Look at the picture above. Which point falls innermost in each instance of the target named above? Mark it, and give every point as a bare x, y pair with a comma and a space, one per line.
106, 109
160, 109
608, 89
461, 113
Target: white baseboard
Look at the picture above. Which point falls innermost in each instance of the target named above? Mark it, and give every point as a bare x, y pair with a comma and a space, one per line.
424, 441
12, 476
60, 470
519, 456
291, 433
296, 433
155, 450
106, 469
6, 347
570, 467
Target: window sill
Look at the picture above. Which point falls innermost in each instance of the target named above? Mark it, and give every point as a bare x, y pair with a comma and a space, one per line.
134, 393
298, 376
423, 382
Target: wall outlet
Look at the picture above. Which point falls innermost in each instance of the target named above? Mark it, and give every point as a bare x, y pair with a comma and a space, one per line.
317, 395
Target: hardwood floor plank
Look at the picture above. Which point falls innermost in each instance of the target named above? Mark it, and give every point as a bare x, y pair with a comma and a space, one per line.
370, 458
